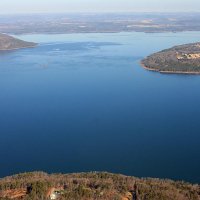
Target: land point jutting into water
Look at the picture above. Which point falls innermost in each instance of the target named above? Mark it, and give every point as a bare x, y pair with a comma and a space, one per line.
179, 59
10, 43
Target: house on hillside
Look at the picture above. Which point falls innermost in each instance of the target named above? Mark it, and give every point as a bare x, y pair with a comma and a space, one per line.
54, 193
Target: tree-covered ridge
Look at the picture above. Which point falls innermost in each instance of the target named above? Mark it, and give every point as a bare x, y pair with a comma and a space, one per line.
179, 59
94, 185
9, 43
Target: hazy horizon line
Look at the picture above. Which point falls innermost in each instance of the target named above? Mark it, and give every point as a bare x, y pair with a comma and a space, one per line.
100, 12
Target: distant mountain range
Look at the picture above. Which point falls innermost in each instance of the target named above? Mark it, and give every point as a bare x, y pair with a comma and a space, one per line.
10, 43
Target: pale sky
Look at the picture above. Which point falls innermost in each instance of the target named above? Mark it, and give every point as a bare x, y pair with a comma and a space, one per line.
32, 6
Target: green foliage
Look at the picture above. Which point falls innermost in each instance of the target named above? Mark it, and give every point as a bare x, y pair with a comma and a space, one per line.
101, 186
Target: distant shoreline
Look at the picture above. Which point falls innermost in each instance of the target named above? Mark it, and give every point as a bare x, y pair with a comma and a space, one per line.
91, 32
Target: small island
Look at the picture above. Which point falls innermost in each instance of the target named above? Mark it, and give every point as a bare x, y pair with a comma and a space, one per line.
10, 43
183, 59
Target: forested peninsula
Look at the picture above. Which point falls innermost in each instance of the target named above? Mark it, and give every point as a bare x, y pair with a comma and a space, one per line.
178, 59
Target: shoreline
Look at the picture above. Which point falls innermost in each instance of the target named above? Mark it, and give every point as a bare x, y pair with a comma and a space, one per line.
1, 50
88, 32
168, 72
93, 185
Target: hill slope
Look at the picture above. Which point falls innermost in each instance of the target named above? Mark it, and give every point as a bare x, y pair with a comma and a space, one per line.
94, 185
9, 43
179, 59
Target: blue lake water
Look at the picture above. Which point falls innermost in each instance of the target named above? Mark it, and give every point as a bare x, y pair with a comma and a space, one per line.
81, 102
